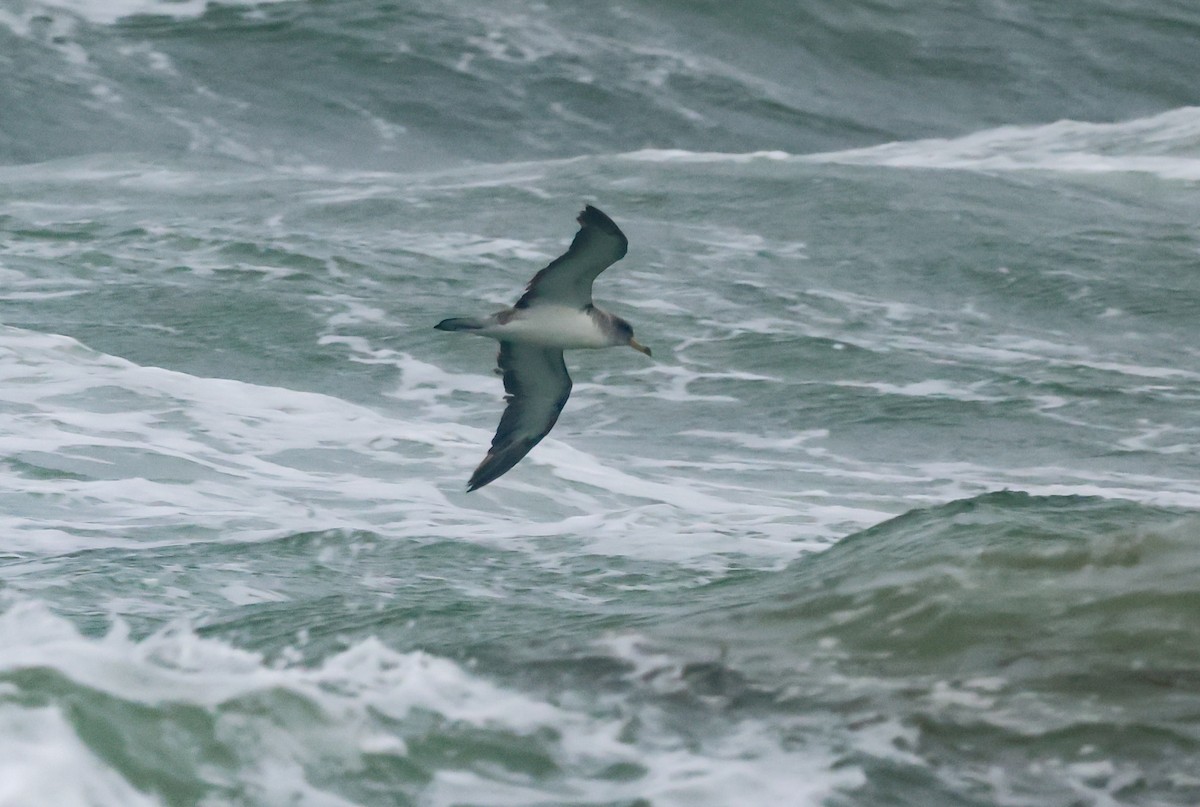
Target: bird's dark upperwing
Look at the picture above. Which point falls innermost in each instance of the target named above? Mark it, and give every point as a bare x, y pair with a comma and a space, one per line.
568, 279
538, 386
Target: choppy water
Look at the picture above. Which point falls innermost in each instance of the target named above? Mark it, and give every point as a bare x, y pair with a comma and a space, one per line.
905, 510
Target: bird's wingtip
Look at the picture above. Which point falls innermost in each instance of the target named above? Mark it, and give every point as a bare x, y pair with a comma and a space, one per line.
484, 473
592, 216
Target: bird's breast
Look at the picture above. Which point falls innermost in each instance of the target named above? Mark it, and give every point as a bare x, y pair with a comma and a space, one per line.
551, 326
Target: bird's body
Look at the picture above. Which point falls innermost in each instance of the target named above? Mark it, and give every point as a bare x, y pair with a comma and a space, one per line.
548, 325
554, 314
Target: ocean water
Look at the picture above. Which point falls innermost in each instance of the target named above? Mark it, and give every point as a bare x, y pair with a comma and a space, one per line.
905, 510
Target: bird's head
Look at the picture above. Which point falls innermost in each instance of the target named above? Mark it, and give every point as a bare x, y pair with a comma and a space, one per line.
625, 333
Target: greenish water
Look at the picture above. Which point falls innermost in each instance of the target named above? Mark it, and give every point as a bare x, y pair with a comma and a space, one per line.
903, 510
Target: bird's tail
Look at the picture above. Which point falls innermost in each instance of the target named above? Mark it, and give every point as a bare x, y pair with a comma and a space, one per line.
461, 324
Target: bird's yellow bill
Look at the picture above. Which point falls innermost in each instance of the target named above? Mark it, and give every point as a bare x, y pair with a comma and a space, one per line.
633, 343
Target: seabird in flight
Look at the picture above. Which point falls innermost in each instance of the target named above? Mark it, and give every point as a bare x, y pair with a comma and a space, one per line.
554, 314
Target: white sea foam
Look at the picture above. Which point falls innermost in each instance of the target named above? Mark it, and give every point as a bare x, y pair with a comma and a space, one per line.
1165, 145
106, 12
1007, 347
950, 481
43, 761
929, 388
683, 156
359, 702
124, 436
106, 453
776, 443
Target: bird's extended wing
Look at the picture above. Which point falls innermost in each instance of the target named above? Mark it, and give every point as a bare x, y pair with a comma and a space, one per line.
568, 279
538, 386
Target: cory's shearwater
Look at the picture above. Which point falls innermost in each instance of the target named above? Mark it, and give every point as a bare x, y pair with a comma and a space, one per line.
554, 314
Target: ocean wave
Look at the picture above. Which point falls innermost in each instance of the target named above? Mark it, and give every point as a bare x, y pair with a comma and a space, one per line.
107, 12
1029, 620
432, 83
948, 596
684, 156
97, 427
1166, 145
262, 460
176, 716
